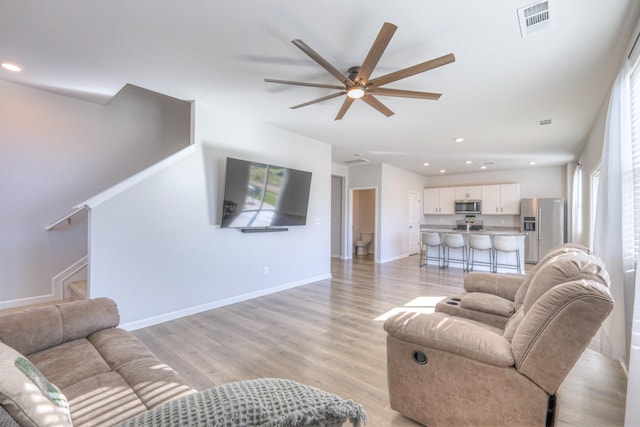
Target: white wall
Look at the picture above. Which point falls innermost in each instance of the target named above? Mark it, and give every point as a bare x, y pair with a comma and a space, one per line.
393, 186
394, 218
590, 160
58, 151
157, 248
534, 182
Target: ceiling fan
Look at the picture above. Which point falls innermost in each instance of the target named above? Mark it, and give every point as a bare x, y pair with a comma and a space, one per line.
357, 84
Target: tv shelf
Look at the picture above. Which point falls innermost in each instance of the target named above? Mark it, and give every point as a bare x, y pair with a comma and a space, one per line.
263, 229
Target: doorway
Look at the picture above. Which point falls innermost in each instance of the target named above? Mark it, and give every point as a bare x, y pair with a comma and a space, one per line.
337, 183
363, 219
415, 213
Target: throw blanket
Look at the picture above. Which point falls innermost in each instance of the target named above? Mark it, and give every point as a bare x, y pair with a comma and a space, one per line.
263, 402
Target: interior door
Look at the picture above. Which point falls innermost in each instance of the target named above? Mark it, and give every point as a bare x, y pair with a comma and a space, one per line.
415, 212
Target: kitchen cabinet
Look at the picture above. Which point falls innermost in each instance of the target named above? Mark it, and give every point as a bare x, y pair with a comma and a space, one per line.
501, 199
469, 193
439, 201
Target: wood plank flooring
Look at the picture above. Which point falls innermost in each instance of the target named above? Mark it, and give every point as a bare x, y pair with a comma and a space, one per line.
329, 335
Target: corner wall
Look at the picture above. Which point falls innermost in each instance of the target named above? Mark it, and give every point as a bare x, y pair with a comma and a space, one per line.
393, 186
56, 152
158, 250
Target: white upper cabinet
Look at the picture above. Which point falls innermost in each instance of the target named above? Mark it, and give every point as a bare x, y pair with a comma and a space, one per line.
469, 193
439, 201
502, 199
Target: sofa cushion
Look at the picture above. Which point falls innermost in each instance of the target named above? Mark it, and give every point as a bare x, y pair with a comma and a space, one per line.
117, 347
81, 318
153, 381
565, 248
102, 400
564, 268
70, 362
451, 334
488, 303
31, 330
27, 395
7, 420
38, 328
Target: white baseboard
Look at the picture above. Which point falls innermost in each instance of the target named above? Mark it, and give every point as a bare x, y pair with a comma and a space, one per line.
55, 293
28, 301
395, 258
150, 321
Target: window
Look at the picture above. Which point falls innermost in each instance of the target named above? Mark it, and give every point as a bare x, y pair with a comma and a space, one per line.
635, 149
594, 184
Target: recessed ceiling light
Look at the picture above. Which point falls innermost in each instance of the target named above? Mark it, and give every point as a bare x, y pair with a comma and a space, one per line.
532, 163
459, 140
442, 171
468, 162
11, 67
483, 167
426, 164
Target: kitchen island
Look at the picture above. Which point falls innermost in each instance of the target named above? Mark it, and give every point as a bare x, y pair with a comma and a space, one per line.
481, 256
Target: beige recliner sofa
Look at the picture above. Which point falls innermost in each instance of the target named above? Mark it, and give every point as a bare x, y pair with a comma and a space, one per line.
69, 365
493, 298
105, 373
445, 370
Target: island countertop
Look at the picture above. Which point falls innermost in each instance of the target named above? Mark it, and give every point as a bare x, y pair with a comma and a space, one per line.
489, 232
482, 256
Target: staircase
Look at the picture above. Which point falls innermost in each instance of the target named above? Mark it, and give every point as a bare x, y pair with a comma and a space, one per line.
78, 290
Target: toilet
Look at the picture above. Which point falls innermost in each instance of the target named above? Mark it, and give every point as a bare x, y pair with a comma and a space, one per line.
362, 246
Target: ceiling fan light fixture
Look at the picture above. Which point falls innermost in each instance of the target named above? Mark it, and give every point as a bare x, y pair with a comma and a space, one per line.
355, 92
11, 67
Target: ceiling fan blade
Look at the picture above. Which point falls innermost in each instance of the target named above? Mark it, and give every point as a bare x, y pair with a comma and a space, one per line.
289, 82
375, 53
322, 62
404, 93
411, 71
345, 106
324, 98
373, 101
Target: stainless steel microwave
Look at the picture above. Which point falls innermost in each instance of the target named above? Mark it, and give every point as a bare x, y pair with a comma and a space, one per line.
467, 206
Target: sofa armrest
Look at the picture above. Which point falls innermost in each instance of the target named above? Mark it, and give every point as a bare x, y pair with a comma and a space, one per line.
38, 328
502, 285
452, 335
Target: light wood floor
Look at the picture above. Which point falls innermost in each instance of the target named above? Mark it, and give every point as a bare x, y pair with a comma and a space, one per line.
329, 335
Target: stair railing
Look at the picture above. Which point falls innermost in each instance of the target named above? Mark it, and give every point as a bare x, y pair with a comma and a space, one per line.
67, 218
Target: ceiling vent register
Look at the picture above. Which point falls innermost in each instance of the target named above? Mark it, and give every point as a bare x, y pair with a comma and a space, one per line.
536, 17
356, 161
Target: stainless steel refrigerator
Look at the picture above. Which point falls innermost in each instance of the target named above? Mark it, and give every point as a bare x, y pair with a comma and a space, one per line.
544, 222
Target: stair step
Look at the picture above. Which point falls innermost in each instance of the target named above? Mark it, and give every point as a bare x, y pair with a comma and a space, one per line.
78, 290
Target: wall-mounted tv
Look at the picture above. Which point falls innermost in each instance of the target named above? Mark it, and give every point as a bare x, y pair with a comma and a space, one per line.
261, 196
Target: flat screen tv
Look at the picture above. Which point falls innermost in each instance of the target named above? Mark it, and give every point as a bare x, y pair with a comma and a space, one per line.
261, 196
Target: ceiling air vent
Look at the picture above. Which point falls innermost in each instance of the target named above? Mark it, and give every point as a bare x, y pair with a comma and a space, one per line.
536, 17
355, 161
544, 122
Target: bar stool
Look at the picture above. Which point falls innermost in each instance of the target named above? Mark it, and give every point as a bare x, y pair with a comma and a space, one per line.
479, 242
431, 240
455, 241
505, 244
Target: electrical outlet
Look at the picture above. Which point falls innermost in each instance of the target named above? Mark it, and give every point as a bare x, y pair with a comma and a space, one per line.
265, 270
